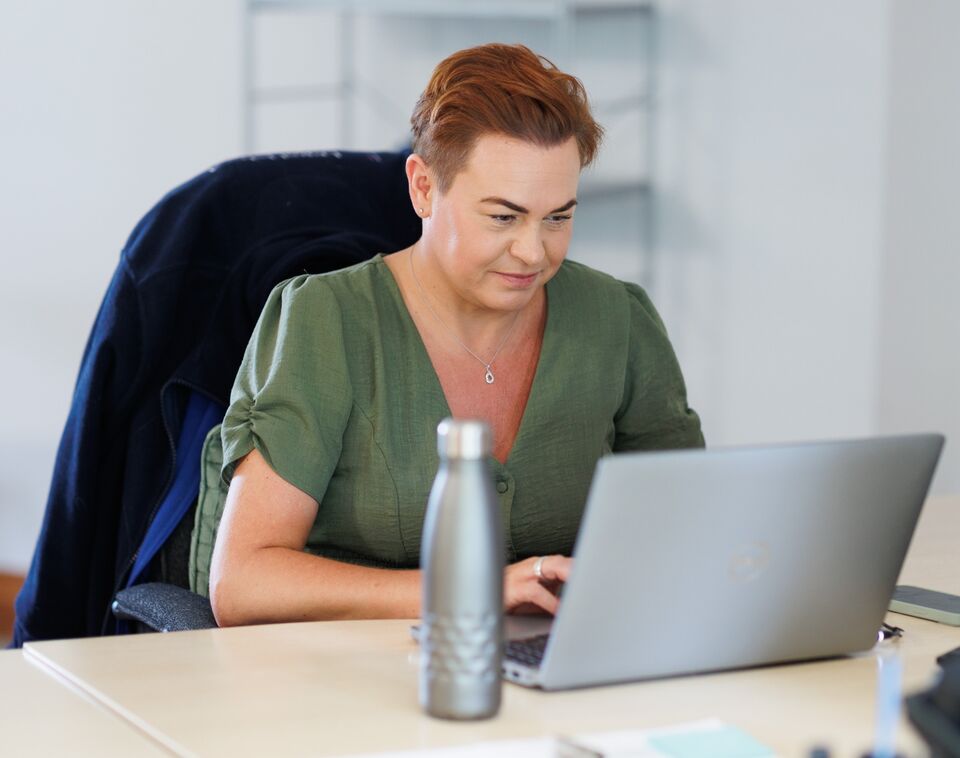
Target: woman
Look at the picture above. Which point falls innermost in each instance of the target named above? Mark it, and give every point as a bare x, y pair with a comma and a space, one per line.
329, 443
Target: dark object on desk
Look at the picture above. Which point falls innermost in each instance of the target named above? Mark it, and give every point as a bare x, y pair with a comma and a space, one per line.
172, 328
936, 713
951, 657
926, 604
889, 631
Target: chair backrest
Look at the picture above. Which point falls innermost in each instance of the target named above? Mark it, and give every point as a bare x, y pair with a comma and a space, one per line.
200, 415
175, 320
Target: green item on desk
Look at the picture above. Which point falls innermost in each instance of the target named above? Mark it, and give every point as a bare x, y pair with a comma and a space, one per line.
722, 742
926, 604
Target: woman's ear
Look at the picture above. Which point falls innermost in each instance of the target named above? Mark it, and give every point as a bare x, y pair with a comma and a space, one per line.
420, 184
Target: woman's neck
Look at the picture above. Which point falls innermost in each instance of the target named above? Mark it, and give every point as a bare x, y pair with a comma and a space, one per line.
438, 307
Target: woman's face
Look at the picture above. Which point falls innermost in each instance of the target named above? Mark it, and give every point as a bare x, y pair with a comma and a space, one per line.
501, 230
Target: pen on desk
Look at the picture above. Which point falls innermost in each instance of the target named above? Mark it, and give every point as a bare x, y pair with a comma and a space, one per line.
889, 674
567, 748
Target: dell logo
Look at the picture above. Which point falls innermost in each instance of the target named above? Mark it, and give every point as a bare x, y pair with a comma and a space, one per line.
749, 562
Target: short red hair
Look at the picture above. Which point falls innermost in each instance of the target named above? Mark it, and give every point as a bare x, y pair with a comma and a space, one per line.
499, 89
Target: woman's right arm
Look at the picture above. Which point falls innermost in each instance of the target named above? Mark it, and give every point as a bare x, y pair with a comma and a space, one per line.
261, 574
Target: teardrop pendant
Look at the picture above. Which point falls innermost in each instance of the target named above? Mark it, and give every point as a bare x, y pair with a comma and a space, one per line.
488, 377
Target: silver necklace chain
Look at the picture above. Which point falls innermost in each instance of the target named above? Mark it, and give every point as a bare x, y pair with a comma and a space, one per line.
488, 376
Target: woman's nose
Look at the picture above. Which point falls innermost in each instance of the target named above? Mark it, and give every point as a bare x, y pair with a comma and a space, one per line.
528, 247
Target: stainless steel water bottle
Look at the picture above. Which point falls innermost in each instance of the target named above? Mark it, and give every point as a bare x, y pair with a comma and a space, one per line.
462, 597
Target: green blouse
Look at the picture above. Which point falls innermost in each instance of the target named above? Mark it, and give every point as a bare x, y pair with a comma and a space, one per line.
338, 394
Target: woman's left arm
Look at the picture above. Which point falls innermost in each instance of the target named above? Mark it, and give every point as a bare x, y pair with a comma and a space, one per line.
653, 414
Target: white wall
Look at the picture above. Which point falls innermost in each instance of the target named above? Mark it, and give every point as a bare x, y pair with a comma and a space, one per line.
807, 164
919, 362
107, 104
770, 173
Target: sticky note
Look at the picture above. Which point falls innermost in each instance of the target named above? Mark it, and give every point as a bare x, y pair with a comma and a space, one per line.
722, 742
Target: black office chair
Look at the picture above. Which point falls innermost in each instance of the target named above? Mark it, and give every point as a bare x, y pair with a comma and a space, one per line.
162, 355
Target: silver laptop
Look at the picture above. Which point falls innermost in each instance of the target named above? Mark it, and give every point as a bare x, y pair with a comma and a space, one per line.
703, 560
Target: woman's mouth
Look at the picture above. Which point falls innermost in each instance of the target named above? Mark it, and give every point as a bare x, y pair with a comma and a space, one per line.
518, 281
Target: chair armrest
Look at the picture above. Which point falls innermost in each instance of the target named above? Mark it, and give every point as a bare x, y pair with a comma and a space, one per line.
164, 608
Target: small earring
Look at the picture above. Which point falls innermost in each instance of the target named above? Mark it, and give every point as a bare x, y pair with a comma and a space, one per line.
420, 211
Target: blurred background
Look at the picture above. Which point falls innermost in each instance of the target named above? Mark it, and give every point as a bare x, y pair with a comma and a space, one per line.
779, 174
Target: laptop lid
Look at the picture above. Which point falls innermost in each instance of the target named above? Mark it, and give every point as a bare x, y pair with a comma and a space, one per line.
701, 560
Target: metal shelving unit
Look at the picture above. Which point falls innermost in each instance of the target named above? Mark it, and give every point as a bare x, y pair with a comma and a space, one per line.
562, 18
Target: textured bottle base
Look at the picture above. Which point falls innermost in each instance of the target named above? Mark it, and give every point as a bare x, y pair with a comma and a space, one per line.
460, 671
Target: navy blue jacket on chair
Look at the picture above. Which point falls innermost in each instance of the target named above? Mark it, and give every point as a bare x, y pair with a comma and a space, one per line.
174, 322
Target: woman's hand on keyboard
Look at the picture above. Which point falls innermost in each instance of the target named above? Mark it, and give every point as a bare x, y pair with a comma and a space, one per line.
525, 592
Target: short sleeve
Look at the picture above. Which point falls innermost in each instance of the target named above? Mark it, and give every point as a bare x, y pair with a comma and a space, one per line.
292, 396
654, 414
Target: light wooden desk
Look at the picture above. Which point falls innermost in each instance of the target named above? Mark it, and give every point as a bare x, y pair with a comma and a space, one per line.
342, 687
40, 715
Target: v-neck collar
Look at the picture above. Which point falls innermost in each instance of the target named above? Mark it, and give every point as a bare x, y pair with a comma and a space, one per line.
531, 410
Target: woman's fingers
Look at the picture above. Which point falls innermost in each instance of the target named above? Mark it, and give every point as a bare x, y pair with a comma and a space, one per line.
534, 582
544, 598
555, 568
525, 594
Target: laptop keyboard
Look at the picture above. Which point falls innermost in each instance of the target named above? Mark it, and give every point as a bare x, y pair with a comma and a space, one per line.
528, 651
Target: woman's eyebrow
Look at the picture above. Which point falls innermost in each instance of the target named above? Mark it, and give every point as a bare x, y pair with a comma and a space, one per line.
566, 206
520, 209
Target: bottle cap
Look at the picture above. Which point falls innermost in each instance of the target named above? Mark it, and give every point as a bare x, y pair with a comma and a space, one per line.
463, 438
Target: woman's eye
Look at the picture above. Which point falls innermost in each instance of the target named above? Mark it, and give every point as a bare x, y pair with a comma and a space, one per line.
503, 219
558, 220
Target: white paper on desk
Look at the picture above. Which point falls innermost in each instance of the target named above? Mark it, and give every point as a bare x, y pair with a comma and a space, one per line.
626, 743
